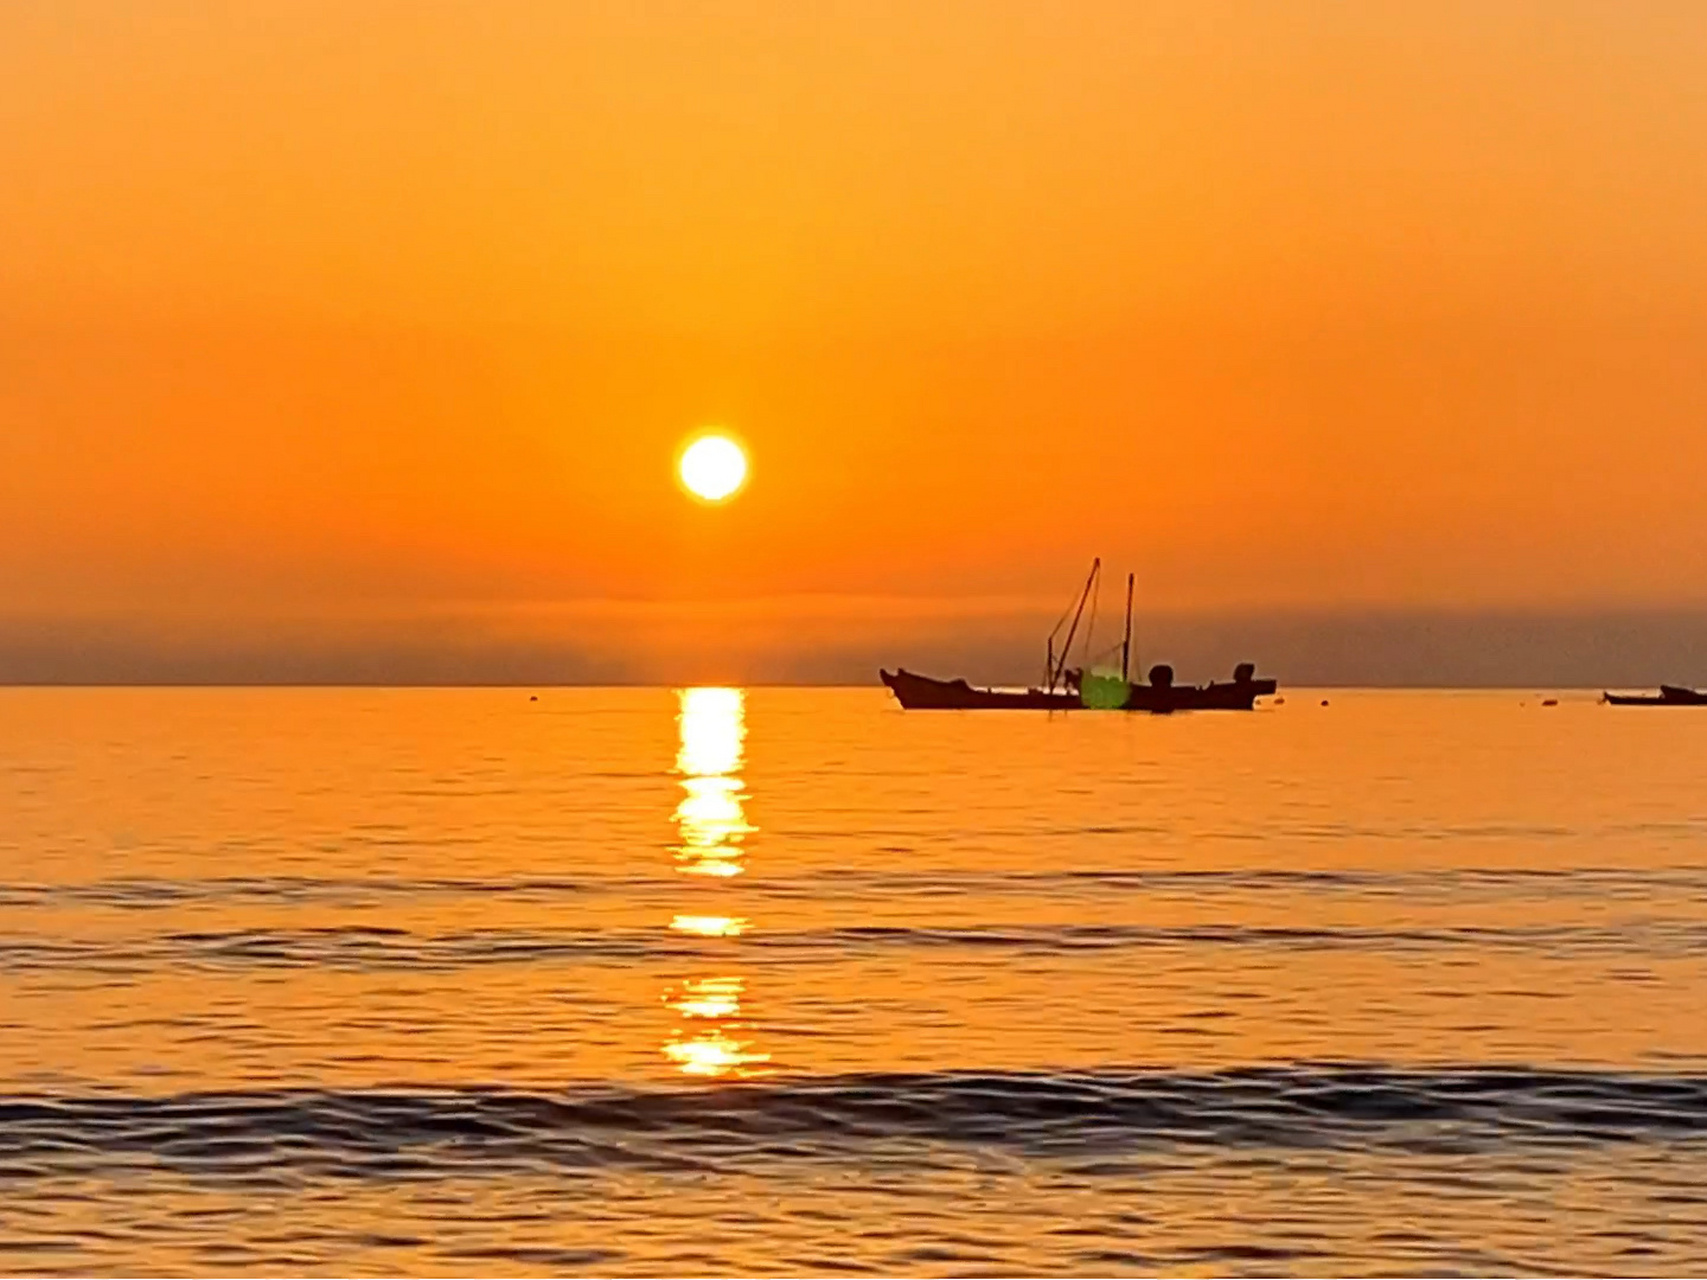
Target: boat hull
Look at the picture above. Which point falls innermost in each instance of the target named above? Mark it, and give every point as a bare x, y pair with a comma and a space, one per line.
921, 693
1229, 695
1669, 696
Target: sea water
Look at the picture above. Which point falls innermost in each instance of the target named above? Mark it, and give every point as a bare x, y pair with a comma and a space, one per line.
656, 981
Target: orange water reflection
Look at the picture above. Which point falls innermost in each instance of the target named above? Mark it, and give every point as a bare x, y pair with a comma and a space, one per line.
715, 1053
711, 817
710, 1043
708, 997
710, 926
712, 828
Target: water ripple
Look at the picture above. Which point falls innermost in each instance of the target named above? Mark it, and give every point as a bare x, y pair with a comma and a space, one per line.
146, 893
365, 947
390, 1132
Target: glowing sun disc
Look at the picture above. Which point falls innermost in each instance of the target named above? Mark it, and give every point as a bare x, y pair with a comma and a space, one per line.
712, 468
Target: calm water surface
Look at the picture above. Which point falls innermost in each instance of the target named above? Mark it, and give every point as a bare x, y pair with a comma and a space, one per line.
709, 981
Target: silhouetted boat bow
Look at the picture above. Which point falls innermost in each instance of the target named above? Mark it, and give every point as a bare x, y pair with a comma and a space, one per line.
921, 693
1670, 695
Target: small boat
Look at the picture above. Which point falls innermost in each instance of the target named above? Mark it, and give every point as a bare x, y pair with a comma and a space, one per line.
921, 693
1069, 689
1670, 695
1161, 696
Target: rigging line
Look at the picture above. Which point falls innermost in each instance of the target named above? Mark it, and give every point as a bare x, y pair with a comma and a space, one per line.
1096, 596
1126, 643
1049, 675
1067, 644
1065, 614
1076, 605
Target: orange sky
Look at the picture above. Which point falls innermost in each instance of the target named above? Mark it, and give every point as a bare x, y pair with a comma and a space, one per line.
312, 313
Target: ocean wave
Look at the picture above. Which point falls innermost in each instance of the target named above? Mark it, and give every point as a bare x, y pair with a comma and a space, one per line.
369, 947
142, 893
398, 1131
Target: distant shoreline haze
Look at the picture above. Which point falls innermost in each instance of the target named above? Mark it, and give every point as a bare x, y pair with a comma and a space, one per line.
1395, 649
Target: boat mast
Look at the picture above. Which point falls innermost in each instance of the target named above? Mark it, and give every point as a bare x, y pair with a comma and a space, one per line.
1067, 649
1126, 644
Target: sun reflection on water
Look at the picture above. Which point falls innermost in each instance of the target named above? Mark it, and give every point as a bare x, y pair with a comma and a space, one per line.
708, 997
714, 1054
712, 827
709, 1045
710, 926
711, 816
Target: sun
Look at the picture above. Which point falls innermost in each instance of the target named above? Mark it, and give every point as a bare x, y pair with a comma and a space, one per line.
712, 468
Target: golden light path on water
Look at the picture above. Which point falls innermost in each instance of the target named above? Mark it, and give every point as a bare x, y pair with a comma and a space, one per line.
710, 926
712, 828
711, 818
